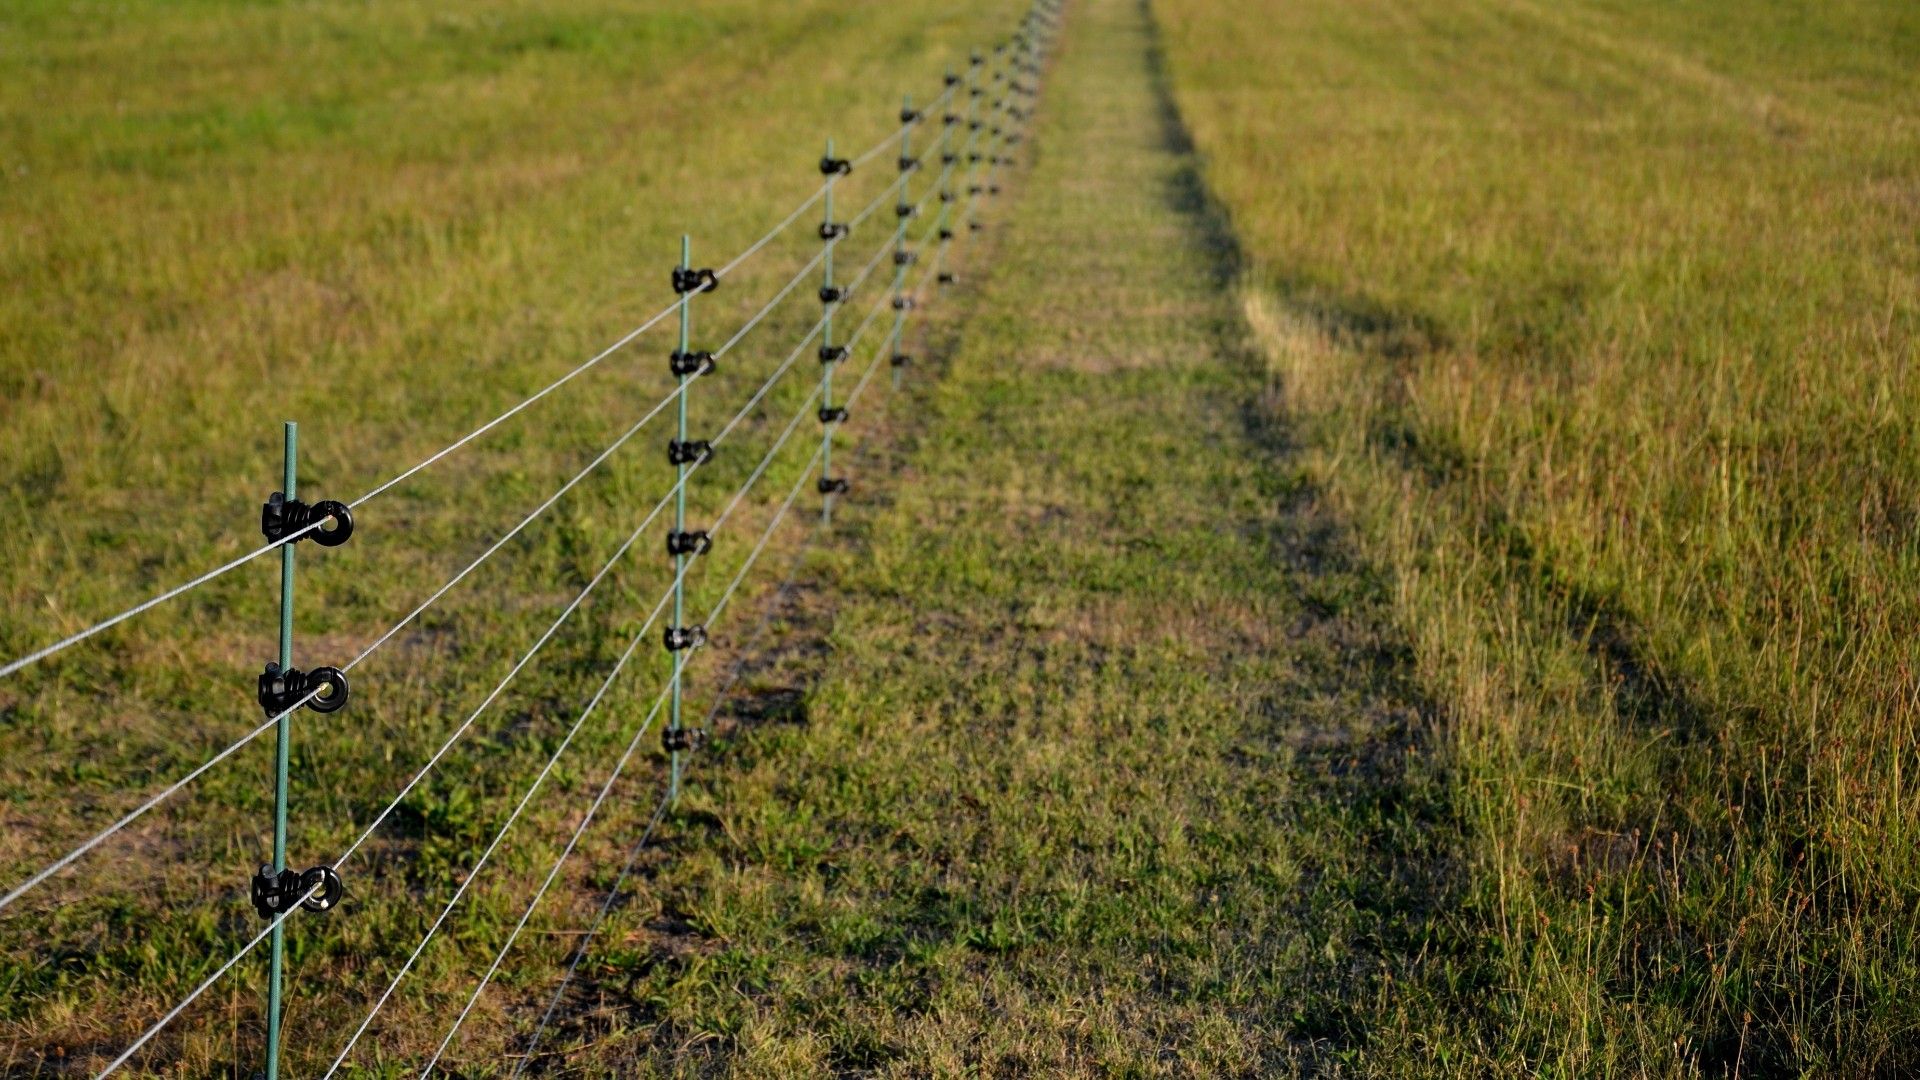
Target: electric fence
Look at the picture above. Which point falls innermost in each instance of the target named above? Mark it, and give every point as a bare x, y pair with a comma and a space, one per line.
991, 101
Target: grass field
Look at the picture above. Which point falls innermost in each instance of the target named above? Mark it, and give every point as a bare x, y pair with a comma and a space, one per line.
387, 223
1600, 320
1397, 559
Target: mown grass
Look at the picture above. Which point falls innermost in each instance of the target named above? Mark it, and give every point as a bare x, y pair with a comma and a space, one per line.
386, 222
1600, 319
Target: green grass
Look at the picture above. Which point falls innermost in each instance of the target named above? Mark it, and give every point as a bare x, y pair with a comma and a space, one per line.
387, 222
1398, 560
1599, 320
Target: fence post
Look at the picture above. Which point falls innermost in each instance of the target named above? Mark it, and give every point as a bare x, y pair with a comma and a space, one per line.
974, 93
995, 125
941, 275
282, 738
674, 548
684, 454
275, 890
830, 296
901, 256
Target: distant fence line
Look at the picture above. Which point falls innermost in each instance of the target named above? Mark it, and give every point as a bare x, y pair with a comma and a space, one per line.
991, 102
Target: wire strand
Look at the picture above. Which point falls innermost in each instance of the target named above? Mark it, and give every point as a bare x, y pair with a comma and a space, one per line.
771, 233
771, 304
127, 819
587, 819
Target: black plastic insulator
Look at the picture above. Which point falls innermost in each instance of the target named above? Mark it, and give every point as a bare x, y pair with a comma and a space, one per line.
832, 294
949, 158
281, 517
833, 230
281, 690
683, 740
993, 189
974, 158
276, 894
946, 234
908, 164
905, 258
950, 119
975, 226
905, 210
683, 363
951, 79
975, 189
691, 542
946, 197
687, 280
903, 303
833, 414
677, 638
688, 451
832, 353
977, 91
834, 166
945, 278
911, 116
832, 485
900, 360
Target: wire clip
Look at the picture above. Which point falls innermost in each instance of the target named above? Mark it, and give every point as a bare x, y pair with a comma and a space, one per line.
677, 638
682, 740
900, 359
906, 210
686, 280
831, 353
905, 258
683, 364
950, 119
908, 164
695, 542
833, 230
281, 517
945, 235
835, 485
833, 414
318, 889
324, 689
945, 277
832, 294
835, 166
688, 451
911, 116
949, 158
903, 303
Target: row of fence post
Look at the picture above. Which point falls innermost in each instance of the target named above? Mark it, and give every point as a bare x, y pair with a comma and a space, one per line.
284, 689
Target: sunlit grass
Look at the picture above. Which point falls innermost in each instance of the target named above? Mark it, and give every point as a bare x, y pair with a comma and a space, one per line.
1604, 318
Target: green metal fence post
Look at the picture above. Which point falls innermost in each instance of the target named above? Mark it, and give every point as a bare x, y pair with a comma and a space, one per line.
995, 124
974, 92
830, 354
680, 519
282, 740
901, 257
683, 546
941, 275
